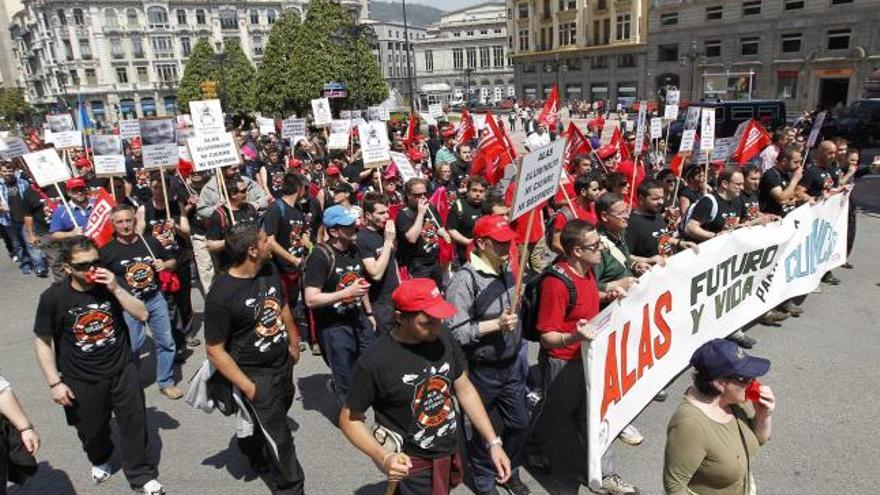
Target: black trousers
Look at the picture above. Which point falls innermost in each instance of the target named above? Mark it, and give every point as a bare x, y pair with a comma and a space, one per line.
123, 396
383, 311
272, 438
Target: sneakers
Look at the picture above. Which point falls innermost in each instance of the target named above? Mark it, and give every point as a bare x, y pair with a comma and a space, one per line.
631, 435
515, 486
613, 484
661, 396
26, 270
193, 341
847, 265
43, 274
792, 309
316, 350
152, 487
772, 317
101, 473
171, 392
742, 340
830, 279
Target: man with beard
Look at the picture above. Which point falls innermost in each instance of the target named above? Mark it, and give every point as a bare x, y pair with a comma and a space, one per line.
464, 214
288, 233
271, 174
418, 233
225, 215
83, 351
375, 243
461, 168
648, 234
252, 341
821, 181
210, 197
137, 178
136, 261
778, 189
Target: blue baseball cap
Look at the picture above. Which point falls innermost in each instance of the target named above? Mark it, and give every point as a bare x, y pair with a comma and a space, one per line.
719, 358
338, 216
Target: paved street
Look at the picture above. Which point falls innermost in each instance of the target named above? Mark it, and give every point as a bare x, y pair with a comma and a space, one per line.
824, 375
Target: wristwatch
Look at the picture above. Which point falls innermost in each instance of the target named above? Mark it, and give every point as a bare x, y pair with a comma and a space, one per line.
493, 442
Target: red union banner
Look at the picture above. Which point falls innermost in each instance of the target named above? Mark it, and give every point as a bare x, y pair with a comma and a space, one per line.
98, 228
646, 339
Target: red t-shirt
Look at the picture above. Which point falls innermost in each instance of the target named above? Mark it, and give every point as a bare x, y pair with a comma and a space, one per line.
554, 301
580, 213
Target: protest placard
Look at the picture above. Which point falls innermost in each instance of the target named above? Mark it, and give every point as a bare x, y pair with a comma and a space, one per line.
107, 155
184, 120
209, 152
640, 128
293, 129
207, 117
373, 137
479, 120
646, 340
266, 125
46, 167
385, 114
670, 111
692, 119
404, 167
159, 137
687, 140
707, 129
13, 147
374, 113
321, 114
129, 129
340, 130
436, 110
62, 122
538, 177
814, 132
656, 128
345, 114
64, 139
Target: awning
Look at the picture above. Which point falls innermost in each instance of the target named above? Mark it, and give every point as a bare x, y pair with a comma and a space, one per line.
434, 88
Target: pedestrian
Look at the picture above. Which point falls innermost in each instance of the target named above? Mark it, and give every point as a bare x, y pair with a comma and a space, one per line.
419, 232
83, 349
463, 215
16, 199
712, 442
375, 243
19, 441
62, 226
236, 210
415, 380
252, 341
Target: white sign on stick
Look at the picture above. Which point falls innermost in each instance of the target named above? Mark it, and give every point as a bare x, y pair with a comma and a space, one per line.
436, 110
670, 111
107, 154
656, 128
404, 167
692, 119
207, 117
373, 137
321, 113
479, 120
266, 125
159, 142
538, 177
65, 139
385, 114
293, 129
814, 132
13, 147
687, 140
374, 113
46, 167
208, 152
62, 122
640, 127
707, 129
340, 130
129, 129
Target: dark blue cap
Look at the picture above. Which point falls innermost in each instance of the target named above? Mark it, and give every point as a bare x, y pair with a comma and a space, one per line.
718, 358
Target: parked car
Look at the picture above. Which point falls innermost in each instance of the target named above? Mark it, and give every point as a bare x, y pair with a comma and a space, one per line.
858, 122
729, 114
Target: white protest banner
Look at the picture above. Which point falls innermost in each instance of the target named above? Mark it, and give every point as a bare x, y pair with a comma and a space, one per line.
207, 117
46, 167
721, 150
538, 177
340, 131
656, 128
374, 113
345, 114
183, 153
107, 154
608, 130
640, 128
215, 151
814, 132
707, 129
266, 125
13, 147
293, 129
404, 167
357, 121
159, 142
65, 139
646, 339
670, 111
436, 110
129, 129
687, 140
62, 122
692, 119
373, 137
321, 114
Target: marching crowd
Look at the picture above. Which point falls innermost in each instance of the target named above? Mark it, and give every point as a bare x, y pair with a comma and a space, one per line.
407, 290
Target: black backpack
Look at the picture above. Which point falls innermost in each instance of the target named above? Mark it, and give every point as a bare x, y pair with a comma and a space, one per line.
532, 297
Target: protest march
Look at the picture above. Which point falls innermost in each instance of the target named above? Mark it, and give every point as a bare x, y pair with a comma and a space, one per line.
423, 259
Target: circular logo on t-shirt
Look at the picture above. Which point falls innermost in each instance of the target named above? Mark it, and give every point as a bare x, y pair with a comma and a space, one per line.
433, 402
139, 275
93, 326
269, 318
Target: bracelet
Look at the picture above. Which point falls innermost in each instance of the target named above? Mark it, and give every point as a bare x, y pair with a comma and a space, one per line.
28, 427
53, 385
495, 441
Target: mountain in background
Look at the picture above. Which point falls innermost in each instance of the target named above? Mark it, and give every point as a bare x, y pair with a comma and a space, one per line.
416, 15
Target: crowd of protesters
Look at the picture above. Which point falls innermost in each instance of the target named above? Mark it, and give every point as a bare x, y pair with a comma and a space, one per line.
406, 290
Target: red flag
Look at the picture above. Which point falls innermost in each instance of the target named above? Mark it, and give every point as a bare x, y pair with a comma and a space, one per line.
577, 144
410, 129
677, 164
98, 227
501, 133
549, 116
440, 201
618, 142
754, 139
466, 130
493, 153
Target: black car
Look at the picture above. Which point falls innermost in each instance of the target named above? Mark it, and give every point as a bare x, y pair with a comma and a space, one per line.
858, 122
730, 114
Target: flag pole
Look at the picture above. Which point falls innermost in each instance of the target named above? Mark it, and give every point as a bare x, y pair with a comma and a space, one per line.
222, 182
66, 206
522, 261
164, 194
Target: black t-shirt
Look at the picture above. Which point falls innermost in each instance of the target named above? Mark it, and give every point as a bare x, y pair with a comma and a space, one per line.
347, 268
245, 313
817, 180
424, 251
87, 328
751, 208
462, 218
352, 172
772, 179
274, 177
38, 208
370, 245
219, 222
139, 178
15, 202
690, 194
411, 389
288, 225
727, 215
159, 228
648, 235
133, 265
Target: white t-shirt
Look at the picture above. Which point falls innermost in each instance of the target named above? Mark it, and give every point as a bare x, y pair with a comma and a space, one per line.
535, 140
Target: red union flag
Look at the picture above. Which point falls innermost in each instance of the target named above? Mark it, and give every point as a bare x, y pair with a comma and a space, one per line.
577, 144
549, 116
754, 139
410, 129
466, 130
98, 228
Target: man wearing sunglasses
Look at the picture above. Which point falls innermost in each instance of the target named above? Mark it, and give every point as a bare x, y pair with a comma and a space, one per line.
225, 215
81, 335
210, 196
418, 233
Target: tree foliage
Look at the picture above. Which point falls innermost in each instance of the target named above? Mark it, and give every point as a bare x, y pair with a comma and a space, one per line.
275, 75
13, 106
200, 67
236, 79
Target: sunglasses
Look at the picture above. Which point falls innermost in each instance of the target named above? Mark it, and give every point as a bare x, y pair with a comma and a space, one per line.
418, 195
83, 266
596, 246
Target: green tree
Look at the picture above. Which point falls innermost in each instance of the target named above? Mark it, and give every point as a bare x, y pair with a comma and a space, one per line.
275, 75
13, 106
236, 80
201, 67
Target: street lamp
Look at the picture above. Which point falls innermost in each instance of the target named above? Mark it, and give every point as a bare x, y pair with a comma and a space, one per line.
692, 57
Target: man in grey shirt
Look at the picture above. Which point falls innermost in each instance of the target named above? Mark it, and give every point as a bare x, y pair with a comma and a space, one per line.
210, 196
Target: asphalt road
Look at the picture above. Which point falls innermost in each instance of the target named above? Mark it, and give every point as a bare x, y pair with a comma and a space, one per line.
824, 375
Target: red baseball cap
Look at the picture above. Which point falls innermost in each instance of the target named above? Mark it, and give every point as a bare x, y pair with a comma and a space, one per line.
422, 294
494, 227
333, 170
75, 183
449, 132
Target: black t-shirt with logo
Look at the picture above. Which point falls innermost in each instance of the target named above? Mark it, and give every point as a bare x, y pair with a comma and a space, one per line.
40, 209
462, 217
772, 179
648, 235
347, 268
15, 202
88, 331
423, 252
751, 206
274, 177
411, 388
287, 224
370, 245
727, 216
245, 313
219, 222
133, 265
159, 228
139, 179
817, 180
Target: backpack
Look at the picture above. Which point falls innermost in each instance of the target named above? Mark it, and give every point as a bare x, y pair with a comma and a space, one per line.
281, 206
569, 215
690, 212
532, 297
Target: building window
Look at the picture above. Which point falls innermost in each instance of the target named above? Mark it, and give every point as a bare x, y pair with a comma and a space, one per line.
429, 61
567, 33
471, 57
498, 56
601, 5
623, 27
68, 50
116, 50
181, 17
838, 39
270, 16
457, 58
787, 84
794, 4
752, 7
131, 18
599, 62
228, 19
62, 19
74, 77
667, 53
142, 74
185, 47
78, 17
110, 18
714, 13
162, 46
167, 72
523, 10
669, 19
200, 17
484, 57
255, 16
469, 33
749, 45
626, 60
791, 43
258, 45
456, 34
840, 2
712, 48
85, 49
157, 17
606, 31
523, 39
483, 32
137, 47
122, 75
91, 78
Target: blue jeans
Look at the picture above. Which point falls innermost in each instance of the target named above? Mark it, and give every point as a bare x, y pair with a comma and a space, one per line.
343, 344
30, 256
163, 342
